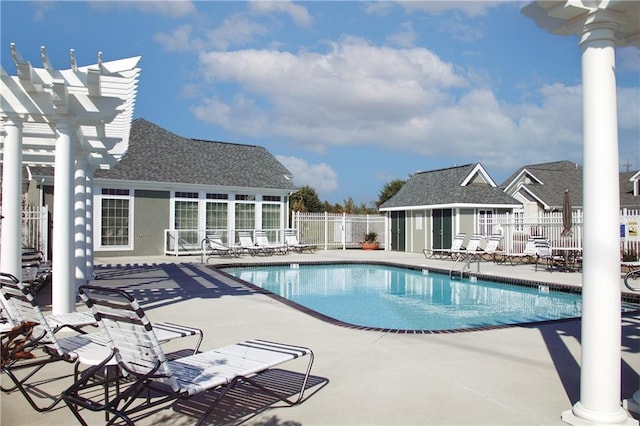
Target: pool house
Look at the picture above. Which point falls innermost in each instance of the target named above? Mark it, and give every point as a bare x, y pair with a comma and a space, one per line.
168, 192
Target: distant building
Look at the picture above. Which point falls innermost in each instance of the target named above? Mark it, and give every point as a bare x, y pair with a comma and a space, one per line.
435, 205
541, 187
167, 186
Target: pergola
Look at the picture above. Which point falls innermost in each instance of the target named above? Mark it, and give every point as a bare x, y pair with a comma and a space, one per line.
601, 25
76, 120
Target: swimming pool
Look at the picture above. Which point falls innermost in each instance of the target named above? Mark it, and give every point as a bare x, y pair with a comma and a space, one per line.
389, 297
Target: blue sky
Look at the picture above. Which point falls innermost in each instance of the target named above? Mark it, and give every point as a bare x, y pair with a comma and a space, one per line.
347, 95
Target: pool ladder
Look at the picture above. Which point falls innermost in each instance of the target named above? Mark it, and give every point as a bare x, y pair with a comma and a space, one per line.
466, 266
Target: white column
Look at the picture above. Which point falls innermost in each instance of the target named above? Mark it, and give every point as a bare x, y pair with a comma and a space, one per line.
80, 216
600, 377
11, 247
89, 224
63, 283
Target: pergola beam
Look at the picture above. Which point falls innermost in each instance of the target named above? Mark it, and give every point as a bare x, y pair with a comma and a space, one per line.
78, 120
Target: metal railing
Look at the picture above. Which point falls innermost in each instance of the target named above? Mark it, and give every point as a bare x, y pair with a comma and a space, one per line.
189, 241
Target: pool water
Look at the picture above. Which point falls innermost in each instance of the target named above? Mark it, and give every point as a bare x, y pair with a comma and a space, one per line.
389, 297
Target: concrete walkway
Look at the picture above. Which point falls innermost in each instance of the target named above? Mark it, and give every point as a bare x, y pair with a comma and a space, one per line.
523, 375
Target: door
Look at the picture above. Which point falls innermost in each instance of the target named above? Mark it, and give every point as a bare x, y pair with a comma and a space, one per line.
442, 228
398, 227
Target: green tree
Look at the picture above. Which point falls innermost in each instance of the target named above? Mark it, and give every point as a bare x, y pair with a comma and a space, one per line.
389, 190
306, 199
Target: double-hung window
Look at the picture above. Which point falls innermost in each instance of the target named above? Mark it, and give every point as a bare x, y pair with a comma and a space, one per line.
271, 216
186, 217
245, 212
115, 210
216, 213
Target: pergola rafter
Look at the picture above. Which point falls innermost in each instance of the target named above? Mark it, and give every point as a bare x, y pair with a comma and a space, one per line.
100, 97
77, 120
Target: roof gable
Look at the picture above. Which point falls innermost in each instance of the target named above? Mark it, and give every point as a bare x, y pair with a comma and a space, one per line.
469, 184
478, 176
547, 182
157, 155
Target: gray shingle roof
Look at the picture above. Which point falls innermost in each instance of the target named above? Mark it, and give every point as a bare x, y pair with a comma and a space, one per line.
157, 155
443, 187
627, 199
555, 178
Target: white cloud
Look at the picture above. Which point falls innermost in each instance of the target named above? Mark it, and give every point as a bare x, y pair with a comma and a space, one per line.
628, 59
180, 40
41, 9
471, 8
299, 14
236, 30
405, 37
407, 100
173, 8
354, 93
320, 176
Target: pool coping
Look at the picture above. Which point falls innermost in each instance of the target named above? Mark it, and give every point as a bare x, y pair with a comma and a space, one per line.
625, 297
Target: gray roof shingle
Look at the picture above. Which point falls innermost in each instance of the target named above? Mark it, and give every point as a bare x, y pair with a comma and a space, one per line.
443, 187
157, 155
627, 199
555, 178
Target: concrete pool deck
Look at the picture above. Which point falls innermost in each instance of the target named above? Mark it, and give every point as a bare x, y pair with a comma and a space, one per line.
525, 375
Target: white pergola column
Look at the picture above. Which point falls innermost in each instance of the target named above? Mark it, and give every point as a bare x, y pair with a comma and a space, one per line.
89, 224
80, 220
600, 376
63, 282
11, 245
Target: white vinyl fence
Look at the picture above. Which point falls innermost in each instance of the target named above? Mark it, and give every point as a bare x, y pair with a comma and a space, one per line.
338, 230
35, 229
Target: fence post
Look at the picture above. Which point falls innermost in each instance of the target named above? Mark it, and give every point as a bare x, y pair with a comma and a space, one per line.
326, 230
343, 234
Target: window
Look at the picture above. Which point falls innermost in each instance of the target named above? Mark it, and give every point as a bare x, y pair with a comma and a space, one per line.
271, 198
186, 218
245, 216
518, 218
271, 219
245, 197
217, 196
485, 222
115, 218
216, 216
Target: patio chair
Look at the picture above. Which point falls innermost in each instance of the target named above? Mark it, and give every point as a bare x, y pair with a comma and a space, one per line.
214, 246
444, 253
492, 251
291, 239
472, 250
528, 255
22, 308
247, 244
36, 271
158, 380
545, 253
262, 240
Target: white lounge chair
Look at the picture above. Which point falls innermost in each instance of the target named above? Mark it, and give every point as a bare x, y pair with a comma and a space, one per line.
472, 249
291, 239
444, 253
529, 254
153, 379
247, 244
214, 246
262, 240
492, 250
23, 309
36, 271
544, 253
